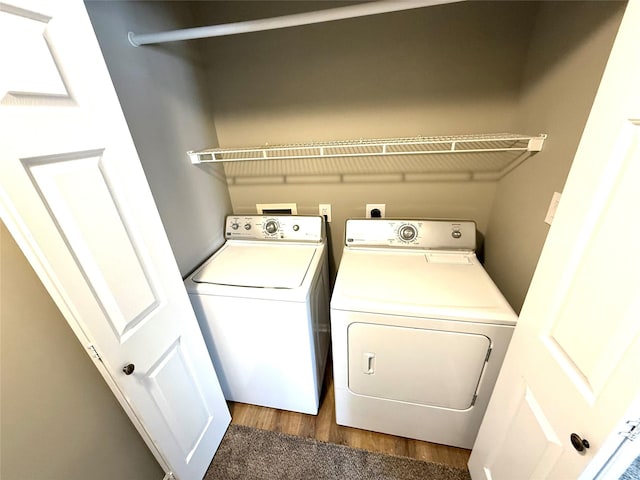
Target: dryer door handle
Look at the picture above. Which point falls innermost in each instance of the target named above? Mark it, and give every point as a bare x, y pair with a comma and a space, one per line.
368, 363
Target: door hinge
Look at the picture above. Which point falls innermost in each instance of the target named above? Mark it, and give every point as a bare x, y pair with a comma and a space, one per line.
94, 353
634, 430
473, 400
486, 359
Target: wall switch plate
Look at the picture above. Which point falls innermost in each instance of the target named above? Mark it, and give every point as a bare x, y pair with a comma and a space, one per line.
324, 209
553, 206
375, 206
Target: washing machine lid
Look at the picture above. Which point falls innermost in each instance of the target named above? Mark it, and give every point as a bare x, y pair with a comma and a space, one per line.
439, 284
262, 265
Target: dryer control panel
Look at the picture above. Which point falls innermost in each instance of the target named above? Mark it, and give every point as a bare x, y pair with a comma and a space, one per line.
292, 228
426, 234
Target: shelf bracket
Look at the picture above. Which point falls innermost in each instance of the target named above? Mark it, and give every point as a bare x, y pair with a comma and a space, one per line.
535, 143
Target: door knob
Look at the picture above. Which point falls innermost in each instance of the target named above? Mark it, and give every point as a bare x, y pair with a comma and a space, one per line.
580, 444
128, 369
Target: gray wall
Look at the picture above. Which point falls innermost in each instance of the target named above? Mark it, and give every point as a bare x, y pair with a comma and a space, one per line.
569, 48
162, 95
58, 418
452, 69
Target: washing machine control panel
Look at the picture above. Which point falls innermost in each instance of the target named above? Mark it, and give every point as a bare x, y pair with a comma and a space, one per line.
427, 234
278, 228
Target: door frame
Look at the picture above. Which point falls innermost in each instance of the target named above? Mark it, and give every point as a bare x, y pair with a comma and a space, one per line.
29, 248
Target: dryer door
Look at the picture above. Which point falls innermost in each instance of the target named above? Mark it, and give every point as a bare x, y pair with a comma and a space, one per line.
427, 367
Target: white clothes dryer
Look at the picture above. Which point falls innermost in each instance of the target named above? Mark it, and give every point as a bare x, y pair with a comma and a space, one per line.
419, 330
262, 302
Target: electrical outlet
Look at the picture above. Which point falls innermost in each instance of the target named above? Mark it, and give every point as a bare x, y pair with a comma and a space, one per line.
324, 209
375, 206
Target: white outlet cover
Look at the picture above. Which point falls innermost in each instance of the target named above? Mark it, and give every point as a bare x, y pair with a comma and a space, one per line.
371, 206
325, 209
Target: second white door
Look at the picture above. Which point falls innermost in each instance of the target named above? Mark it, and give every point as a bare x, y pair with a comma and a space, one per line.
572, 366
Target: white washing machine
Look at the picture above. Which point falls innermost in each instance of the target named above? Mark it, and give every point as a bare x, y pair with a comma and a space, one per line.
419, 330
262, 302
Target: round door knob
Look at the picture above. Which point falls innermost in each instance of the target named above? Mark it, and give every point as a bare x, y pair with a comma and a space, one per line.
580, 444
128, 369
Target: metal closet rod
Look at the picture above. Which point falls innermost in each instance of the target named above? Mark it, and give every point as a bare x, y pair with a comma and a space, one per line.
294, 20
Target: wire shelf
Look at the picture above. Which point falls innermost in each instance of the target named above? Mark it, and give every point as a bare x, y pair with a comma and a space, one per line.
473, 156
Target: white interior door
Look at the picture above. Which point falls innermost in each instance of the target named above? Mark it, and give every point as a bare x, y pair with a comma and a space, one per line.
572, 366
75, 197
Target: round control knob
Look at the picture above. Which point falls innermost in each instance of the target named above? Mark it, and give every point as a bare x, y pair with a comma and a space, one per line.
247, 226
271, 227
407, 233
456, 234
296, 228
234, 226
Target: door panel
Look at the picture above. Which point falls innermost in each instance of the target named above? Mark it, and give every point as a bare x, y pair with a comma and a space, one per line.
606, 328
75, 197
170, 380
541, 443
30, 67
75, 189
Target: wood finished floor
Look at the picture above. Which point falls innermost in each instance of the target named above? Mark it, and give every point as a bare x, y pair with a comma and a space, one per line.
323, 427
